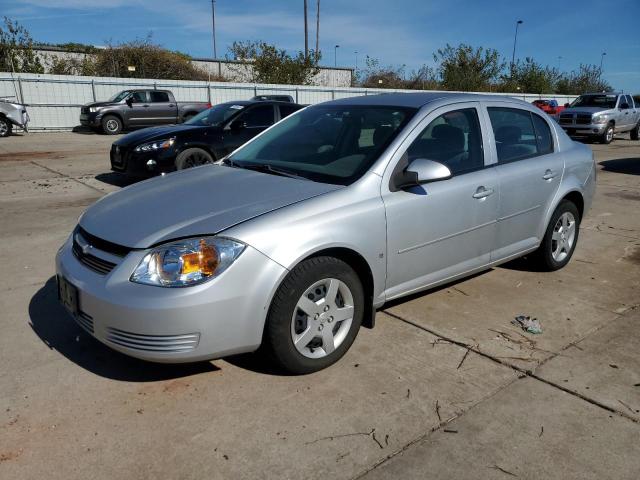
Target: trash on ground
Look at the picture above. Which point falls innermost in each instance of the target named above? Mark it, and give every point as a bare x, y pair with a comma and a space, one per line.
528, 324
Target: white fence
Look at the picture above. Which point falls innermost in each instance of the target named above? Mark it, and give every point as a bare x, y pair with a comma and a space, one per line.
54, 101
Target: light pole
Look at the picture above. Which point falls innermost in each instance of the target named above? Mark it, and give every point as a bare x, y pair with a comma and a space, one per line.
335, 55
601, 59
356, 52
559, 60
213, 33
515, 39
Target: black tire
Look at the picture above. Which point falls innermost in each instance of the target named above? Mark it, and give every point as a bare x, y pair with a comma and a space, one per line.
543, 257
193, 157
635, 133
5, 127
111, 125
277, 339
607, 137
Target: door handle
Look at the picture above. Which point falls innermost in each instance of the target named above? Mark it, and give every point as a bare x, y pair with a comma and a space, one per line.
549, 174
482, 192
171, 105
145, 106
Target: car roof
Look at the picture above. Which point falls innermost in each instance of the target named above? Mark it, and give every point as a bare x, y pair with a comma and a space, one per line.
418, 99
259, 102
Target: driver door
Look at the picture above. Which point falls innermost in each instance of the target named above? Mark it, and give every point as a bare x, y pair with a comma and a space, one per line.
445, 228
137, 111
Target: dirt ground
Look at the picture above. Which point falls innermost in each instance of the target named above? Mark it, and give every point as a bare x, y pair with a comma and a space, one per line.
443, 387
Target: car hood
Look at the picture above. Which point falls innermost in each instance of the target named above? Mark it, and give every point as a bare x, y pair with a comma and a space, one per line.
155, 133
102, 104
199, 201
585, 110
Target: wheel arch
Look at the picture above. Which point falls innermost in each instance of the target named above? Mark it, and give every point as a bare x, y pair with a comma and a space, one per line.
114, 113
575, 197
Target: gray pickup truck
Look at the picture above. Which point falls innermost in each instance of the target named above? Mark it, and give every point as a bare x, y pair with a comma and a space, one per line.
601, 115
138, 108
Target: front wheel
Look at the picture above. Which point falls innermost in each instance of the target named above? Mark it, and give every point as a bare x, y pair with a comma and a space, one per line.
635, 133
607, 136
560, 239
193, 157
315, 315
5, 127
111, 125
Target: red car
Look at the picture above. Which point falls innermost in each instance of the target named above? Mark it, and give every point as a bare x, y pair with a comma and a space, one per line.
550, 107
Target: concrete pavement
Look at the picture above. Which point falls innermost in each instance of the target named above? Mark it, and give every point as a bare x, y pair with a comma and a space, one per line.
563, 404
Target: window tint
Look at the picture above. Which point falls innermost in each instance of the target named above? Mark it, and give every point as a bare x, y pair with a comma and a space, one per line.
514, 133
544, 139
159, 97
286, 110
454, 139
260, 116
139, 97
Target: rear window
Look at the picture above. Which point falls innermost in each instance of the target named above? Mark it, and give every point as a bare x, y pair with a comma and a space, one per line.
286, 110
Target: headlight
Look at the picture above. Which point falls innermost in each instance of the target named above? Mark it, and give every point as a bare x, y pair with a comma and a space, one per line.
156, 145
187, 262
600, 118
94, 109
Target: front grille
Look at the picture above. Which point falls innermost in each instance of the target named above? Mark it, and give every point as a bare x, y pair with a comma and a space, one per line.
85, 321
583, 119
154, 343
84, 109
84, 242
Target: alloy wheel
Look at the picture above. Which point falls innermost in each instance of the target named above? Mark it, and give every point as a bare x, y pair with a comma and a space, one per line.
563, 237
112, 125
322, 318
4, 128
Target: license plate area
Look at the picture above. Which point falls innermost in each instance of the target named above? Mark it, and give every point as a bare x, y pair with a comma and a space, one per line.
68, 295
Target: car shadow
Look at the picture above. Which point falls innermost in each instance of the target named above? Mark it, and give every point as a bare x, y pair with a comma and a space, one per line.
117, 179
630, 166
58, 331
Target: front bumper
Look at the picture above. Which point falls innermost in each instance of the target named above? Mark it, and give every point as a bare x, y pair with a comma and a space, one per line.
91, 119
221, 317
141, 164
584, 130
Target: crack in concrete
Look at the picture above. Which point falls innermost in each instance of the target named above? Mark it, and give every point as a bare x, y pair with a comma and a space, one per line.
102, 193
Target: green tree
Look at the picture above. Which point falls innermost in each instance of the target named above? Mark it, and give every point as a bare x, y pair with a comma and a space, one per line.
270, 64
16, 49
376, 76
530, 77
465, 68
588, 78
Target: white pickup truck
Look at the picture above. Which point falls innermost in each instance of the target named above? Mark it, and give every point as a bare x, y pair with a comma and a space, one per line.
601, 115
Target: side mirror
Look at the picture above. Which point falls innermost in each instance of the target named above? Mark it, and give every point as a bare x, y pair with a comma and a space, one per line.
422, 171
624, 106
129, 101
237, 125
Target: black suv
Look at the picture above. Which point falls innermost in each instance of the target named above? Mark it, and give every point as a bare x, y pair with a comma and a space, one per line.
205, 138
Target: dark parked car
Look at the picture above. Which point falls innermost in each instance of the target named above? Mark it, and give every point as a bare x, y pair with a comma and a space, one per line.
138, 108
205, 138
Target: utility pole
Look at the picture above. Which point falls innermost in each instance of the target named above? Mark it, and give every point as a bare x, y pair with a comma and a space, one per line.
601, 59
213, 33
306, 33
335, 55
317, 31
515, 39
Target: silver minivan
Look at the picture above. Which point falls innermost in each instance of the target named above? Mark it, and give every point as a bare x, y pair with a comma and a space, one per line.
292, 242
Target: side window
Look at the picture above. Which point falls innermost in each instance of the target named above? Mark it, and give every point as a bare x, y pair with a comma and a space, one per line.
159, 97
629, 101
139, 97
454, 139
514, 133
260, 116
544, 139
286, 110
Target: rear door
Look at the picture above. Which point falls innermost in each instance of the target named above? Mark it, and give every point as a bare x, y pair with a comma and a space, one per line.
529, 172
247, 125
162, 108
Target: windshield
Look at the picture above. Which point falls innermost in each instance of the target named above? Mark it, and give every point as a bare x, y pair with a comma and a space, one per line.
326, 143
602, 101
120, 96
215, 116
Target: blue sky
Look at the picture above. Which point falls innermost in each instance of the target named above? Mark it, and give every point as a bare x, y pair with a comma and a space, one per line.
394, 31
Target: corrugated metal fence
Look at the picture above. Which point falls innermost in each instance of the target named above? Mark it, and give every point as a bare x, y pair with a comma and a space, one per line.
54, 101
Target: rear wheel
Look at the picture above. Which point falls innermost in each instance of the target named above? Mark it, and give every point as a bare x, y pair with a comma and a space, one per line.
560, 239
193, 157
5, 127
635, 133
111, 125
607, 136
315, 315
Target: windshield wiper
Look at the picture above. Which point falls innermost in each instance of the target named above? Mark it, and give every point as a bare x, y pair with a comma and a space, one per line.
264, 168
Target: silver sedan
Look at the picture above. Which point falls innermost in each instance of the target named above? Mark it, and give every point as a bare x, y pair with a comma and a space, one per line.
292, 242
